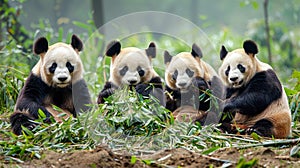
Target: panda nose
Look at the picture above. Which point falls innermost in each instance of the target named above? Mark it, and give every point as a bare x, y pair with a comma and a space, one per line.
62, 79
132, 81
182, 84
233, 79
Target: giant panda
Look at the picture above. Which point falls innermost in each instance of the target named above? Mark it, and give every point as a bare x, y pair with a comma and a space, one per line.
56, 80
255, 98
131, 67
187, 77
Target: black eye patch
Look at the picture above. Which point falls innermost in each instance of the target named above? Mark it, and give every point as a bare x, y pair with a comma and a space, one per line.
189, 72
123, 70
52, 68
241, 68
175, 74
70, 67
140, 71
227, 71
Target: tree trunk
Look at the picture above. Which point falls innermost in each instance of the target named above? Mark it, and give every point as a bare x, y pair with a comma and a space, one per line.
98, 14
267, 31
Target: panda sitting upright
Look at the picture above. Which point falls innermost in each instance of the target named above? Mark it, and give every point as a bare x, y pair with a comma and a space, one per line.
187, 77
132, 67
255, 97
57, 79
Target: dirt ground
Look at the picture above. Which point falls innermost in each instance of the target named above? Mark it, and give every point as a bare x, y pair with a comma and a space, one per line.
104, 157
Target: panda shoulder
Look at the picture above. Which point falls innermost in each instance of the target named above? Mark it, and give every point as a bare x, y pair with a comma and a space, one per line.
36, 69
209, 70
261, 66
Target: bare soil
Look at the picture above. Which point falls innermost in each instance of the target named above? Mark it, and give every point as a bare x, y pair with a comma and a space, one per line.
179, 157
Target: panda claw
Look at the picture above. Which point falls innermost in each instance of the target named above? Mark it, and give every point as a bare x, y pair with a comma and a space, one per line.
199, 83
143, 89
251, 130
31, 126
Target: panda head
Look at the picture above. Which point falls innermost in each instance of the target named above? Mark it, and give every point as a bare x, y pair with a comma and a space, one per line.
180, 69
239, 65
131, 65
59, 64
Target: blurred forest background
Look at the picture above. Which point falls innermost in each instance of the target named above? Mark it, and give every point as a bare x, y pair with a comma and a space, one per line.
225, 22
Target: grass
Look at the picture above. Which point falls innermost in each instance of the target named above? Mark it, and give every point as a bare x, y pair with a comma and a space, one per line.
138, 126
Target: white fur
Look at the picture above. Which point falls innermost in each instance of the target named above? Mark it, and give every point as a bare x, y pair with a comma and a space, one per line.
132, 58
60, 53
183, 61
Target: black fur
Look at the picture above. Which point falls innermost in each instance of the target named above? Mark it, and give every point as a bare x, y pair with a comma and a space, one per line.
40, 45
113, 48
196, 51
177, 99
173, 99
32, 95
223, 52
76, 43
154, 87
256, 96
250, 47
31, 99
18, 118
81, 97
262, 127
108, 90
167, 57
151, 50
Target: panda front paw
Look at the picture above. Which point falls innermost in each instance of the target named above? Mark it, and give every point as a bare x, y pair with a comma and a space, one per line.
104, 94
229, 107
199, 83
143, 89
19, 119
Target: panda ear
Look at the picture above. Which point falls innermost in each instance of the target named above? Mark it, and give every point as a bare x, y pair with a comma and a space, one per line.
167, 57
113, 48
196, 51
151, 50
40, 46
76, 43
223, 52
250, 47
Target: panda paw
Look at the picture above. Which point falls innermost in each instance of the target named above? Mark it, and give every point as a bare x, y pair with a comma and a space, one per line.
19, 119
229, 107
199, 83
104, 94
251, 130
143, 89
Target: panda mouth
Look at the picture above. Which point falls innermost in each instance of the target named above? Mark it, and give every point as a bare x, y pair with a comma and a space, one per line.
238, 84
62, 85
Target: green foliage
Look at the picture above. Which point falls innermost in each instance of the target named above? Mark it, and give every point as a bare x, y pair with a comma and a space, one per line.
242, 163
130, 114
295, 151
65, 136
10, 23
127, 114
293, 95
13, 71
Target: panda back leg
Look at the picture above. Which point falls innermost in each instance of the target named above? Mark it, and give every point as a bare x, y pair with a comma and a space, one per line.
277, 125
262, 127
282, 124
